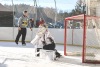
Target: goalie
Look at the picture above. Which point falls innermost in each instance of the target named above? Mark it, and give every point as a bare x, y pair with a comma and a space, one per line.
44, 40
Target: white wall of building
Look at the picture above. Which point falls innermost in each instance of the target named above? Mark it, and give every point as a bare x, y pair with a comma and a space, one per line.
98, 10
6, 33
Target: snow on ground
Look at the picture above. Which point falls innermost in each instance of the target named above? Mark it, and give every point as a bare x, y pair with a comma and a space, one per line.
12, 55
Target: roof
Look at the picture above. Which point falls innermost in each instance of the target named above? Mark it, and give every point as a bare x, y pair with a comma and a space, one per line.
3, 8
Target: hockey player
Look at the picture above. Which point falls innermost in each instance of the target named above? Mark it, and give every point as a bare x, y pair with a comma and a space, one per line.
23, 22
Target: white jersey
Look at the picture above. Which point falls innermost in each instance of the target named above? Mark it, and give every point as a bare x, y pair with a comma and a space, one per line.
37, 41
41, 31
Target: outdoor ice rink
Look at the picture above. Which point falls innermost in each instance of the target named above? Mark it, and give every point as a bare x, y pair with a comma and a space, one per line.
12, 55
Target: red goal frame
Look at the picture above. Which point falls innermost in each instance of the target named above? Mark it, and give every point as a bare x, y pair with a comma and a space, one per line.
80, 17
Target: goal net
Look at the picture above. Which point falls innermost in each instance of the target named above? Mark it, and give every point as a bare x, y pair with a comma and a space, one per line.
82, 37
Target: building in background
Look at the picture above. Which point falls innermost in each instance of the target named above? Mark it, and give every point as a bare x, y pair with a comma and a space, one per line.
93, 7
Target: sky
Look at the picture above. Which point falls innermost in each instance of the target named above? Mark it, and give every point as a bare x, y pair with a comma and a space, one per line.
65, 5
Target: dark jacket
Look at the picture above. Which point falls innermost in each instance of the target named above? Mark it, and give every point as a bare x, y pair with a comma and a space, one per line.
49, 46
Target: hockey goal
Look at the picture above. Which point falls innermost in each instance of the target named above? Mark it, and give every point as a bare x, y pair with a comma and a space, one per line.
83, 32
